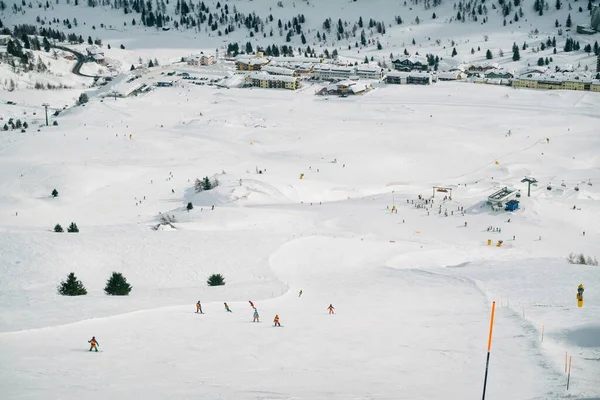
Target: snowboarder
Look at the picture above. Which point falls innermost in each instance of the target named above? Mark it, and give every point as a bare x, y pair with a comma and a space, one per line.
276, 320
255, 319
93, 344
227, 308
251, 304
331, 308
199, 308
300, 293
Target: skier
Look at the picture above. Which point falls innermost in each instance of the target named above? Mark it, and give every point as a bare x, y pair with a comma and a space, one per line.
251, 304
300, 293
199, 308
227, 308
276, 320
331, 308
255, 316
465, 224
93, 344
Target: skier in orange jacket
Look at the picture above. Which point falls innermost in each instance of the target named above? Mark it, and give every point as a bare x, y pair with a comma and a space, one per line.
331, 308
93, 344
276, 320
199, 307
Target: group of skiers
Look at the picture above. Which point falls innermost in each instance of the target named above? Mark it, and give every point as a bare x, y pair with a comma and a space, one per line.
256, 318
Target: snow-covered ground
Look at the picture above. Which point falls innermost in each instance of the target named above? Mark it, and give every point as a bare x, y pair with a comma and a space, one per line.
412, 290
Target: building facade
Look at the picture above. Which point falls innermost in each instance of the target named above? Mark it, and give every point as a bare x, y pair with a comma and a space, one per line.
408, 78
595, 22
266, 81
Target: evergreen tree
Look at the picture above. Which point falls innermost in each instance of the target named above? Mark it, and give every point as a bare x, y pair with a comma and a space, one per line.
58, 228
72, 286
46, 44
150, 64
569, 22
540, 61
588, 48
516, 56
26, 43
83, 98
190, 206
558, 5
73, 228
206, 184
132, 68
117, 285
54, 193
379, 46
488, 55
90, 42
363, 38
216, 280
454, 52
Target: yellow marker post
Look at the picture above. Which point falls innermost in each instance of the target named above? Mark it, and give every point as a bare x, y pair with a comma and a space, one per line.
489, 347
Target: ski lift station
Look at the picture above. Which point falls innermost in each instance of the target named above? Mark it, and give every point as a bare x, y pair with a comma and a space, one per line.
502, 196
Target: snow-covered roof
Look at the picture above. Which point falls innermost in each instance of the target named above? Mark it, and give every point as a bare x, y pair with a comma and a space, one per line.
368, 68
561, 77
252, 60
484, 65
98, 57
93, 50
414, 74
262, 76
449, 74
278, 70
499, 71
333, 68
412, 59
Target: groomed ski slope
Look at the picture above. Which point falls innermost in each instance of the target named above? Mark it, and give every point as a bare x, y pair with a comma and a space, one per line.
412, 291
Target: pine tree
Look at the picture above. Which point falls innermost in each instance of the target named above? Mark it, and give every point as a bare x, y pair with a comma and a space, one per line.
206, 185
488, 55
73, 228
190, 206
454, 52
83, 98
516, 56
558, 5
132, 68
569, 22
117, 285
58, 228
216, 280
366, 60
54, 193
72, 286
379, 46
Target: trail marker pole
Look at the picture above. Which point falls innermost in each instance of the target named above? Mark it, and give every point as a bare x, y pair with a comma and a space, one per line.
566, 362
569, 375
542, 333
487, 362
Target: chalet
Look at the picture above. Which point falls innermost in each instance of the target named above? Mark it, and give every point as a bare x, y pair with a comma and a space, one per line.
498, 74
455, 75
565, 81
4, 39
264, 80
164, 84
344, 88
476, 68
202, 59
408, 78
99, 59
278, 70
251, 64
410, 64
585, 29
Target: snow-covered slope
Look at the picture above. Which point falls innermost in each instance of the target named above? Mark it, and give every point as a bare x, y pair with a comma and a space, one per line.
412, 290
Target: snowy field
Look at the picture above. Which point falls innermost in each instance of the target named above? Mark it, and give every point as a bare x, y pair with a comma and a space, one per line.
412, 291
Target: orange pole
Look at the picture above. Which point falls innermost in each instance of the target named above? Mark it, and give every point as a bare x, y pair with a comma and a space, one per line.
491, 326
487, 361
566, 357
569, 376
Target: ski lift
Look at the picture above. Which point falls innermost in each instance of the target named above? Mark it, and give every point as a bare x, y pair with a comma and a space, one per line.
442, 190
